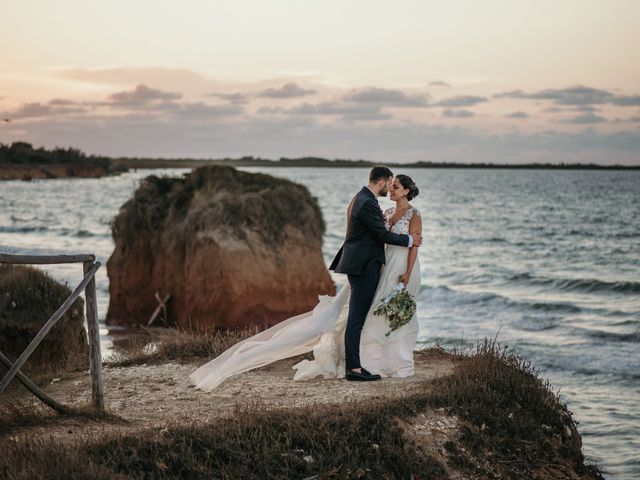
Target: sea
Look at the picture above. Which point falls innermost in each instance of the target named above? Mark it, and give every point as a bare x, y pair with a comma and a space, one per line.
545, 262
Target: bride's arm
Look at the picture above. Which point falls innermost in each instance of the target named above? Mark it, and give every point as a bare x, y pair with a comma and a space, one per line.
415, 226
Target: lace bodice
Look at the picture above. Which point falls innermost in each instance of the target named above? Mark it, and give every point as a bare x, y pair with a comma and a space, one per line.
402, 225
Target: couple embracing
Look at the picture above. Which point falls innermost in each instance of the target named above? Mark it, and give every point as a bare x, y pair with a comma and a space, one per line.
347, 338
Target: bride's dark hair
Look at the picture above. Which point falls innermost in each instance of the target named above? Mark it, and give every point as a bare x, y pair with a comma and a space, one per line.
409, 184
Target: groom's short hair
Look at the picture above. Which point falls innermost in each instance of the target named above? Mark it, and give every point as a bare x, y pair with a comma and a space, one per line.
379, 172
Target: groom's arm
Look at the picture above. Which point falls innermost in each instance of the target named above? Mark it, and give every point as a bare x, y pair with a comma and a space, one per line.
372, 219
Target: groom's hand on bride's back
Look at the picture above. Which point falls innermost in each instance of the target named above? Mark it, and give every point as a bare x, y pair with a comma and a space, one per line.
417, 239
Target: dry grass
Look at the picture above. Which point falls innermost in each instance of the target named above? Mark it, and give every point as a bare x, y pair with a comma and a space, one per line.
512, 427
157, 346
28, 297
234, 199
16, 414
512, 416
344, 441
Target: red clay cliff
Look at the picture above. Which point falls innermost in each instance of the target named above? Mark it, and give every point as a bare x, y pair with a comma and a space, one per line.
231, 249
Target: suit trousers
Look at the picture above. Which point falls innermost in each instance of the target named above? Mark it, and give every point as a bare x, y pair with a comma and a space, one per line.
363, 288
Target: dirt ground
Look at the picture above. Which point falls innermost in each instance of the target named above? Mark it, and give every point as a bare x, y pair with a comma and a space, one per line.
159, 395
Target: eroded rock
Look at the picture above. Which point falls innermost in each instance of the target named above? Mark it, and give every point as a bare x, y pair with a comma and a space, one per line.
230, 248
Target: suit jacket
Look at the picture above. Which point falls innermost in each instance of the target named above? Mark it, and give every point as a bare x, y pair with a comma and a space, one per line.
366, 236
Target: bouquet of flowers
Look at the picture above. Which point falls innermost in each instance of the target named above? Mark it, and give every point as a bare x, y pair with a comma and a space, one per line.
399, 307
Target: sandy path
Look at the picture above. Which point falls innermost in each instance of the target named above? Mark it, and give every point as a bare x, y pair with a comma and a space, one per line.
157, 395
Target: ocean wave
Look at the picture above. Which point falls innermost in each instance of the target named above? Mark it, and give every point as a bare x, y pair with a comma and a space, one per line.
15, 218
22, 229
633, 337
65, 232
578, 284
627, 322
456, 298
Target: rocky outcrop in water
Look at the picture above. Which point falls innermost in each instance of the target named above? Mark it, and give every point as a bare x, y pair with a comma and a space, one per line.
28, 297
230, 249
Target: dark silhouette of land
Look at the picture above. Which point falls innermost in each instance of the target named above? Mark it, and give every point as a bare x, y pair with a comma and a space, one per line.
317, 162
21, 160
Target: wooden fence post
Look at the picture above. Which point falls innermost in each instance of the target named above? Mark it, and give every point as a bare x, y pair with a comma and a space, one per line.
93, 328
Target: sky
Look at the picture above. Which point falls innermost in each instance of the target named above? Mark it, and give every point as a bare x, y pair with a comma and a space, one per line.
506, 81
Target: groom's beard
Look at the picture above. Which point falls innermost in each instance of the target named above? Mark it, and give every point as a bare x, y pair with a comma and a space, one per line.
383, 192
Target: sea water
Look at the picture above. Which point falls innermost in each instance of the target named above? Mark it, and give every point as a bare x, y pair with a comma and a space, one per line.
546, 261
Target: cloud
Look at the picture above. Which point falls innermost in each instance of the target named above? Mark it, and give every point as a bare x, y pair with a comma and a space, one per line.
627, 100
270, 110
553, 110
288, 90
460, 101
585, 118
62, 101
634, 119
143, 134
155, 120
457, 113
164, 78
385, 97
37, 109
578, 95
236, 97
584, 108
353, 111
439, 83
200, 109
518, 114
142, 94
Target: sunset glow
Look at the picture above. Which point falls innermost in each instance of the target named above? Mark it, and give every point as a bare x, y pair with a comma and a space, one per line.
494, 81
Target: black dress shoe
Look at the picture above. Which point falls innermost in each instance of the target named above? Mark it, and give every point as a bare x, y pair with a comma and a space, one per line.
361, 376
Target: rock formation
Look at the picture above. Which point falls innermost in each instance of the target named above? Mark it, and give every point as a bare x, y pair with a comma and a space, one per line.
28, 297
230, 248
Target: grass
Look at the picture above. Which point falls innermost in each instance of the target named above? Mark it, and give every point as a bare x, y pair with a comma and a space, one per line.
344, 441
157, 346
512, 426
16, 414
510, 413
221, 197
28, 297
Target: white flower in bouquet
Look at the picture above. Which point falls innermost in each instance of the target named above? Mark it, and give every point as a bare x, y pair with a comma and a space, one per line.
399, 307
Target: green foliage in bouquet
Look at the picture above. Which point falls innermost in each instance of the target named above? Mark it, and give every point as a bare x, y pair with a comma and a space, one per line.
399, 308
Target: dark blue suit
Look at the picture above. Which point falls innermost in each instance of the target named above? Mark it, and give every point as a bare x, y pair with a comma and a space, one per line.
361, 257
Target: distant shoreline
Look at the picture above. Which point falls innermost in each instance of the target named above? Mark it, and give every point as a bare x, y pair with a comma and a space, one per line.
21, 161
313, 162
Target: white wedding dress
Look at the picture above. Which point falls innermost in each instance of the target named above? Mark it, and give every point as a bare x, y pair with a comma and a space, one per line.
322, 330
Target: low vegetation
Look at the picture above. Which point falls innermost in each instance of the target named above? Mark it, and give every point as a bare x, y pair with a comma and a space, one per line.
233, 199
23, 153
28, 297
16, 414
160, 345
512, 426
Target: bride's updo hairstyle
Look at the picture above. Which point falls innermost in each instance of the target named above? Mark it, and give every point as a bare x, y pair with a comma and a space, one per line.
410, 185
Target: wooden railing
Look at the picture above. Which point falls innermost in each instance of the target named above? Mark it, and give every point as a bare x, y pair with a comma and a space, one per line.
88, 284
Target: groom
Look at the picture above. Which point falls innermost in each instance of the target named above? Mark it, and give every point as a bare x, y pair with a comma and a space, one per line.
361, 257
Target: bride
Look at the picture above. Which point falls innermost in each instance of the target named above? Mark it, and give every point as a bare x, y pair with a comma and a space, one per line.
322, 329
